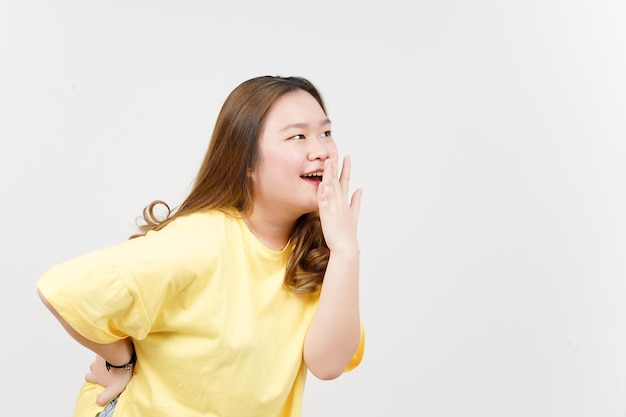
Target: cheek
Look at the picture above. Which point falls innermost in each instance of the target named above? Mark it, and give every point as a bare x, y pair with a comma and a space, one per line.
332, 146
285, 162
278, 164
266, 173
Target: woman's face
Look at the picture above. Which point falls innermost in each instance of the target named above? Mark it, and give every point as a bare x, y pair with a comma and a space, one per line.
293, 145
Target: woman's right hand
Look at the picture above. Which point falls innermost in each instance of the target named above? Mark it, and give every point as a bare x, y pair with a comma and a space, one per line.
114, 380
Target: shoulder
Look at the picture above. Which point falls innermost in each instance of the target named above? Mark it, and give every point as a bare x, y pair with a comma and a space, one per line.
197, 227
190, 239
204, 220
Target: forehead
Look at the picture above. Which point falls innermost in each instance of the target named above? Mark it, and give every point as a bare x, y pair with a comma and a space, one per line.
292, 109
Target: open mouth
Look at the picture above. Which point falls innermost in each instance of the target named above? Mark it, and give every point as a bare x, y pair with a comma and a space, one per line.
316, 177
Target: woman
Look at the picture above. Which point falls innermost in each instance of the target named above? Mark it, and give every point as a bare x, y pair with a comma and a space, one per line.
221, 307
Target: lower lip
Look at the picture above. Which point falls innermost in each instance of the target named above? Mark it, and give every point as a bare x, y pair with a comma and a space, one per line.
312, 182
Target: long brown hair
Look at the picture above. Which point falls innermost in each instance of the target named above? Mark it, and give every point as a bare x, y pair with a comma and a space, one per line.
222, 183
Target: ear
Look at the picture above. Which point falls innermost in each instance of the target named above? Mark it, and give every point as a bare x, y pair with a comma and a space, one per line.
251, 173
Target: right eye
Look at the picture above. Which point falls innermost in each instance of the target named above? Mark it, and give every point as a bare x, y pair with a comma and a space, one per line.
297, 137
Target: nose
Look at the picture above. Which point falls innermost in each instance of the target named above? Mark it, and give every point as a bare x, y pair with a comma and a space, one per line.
319, 149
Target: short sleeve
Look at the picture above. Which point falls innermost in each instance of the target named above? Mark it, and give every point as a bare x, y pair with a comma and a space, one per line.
90, 295
120, 291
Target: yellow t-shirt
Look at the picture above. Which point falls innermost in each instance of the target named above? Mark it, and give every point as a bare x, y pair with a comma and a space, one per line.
215, 332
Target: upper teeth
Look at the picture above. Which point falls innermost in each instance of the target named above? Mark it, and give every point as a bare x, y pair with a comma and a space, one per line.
315, 174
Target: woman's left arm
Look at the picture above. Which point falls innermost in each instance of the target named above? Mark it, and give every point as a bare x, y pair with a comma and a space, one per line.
335, 330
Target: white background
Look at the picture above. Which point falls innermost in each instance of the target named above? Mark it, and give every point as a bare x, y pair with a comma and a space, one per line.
489, 137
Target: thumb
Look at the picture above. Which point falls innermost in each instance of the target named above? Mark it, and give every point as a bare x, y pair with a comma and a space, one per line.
106, 396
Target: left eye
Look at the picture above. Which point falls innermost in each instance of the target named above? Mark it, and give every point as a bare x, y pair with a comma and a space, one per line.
326, 134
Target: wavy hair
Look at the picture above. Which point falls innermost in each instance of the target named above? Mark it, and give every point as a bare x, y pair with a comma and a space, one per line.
222, 183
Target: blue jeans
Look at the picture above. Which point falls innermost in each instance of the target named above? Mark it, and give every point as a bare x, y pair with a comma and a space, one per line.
108, 410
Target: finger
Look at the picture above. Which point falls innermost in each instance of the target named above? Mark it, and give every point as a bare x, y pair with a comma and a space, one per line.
330, 166
355, 203
105, 397
346, 170
325, 188
108, 394
90, 377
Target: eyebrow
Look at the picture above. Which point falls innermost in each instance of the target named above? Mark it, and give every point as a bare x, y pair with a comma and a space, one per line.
304, 125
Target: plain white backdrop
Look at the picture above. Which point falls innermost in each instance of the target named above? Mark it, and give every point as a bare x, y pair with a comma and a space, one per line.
489, 138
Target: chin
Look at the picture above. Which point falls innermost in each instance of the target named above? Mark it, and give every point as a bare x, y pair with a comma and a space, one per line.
310, 209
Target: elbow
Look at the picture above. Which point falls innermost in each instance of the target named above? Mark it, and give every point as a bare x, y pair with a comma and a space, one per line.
328, 364
43, 299
51, 308
326, 373
325, 368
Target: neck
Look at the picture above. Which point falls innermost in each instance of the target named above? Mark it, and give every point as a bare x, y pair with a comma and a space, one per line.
272, 234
